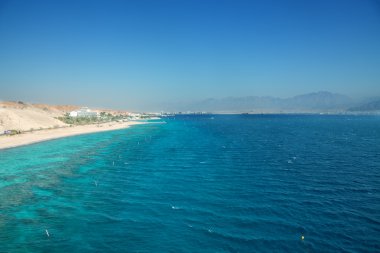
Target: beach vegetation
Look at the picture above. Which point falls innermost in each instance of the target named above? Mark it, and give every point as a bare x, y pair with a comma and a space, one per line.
78, 120
102, 118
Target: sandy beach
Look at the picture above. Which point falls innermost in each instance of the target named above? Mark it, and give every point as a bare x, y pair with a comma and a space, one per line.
50, 134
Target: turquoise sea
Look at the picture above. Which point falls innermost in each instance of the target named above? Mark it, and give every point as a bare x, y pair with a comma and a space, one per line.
211, 183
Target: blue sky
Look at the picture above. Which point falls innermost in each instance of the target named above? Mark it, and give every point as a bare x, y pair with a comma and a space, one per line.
130, 54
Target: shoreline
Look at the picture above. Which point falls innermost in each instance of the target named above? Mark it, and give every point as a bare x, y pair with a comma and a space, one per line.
7, 142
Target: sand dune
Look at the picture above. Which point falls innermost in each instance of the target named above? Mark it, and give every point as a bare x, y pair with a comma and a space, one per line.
24, 117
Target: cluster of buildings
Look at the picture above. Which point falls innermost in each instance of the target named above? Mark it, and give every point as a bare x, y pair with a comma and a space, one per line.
86, 112
83, 112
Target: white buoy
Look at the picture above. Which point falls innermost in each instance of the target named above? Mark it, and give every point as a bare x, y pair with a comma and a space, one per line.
47, 233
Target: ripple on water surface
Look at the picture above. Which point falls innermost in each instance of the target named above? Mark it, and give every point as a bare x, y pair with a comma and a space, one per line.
237, 183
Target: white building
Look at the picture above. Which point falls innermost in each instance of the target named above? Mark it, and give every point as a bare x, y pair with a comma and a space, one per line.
83, 112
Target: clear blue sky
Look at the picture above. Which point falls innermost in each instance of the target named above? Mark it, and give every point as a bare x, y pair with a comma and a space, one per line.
129, 54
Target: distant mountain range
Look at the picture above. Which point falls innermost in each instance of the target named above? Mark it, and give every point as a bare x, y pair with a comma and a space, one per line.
316, 102
367, 107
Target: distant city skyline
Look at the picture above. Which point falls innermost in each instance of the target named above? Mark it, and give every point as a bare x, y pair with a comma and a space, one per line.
134, 54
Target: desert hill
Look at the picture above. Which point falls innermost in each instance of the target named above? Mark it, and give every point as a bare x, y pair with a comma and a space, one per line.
23, 117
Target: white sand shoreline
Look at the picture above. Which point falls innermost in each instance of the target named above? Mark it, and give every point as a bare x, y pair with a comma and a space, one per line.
28, 138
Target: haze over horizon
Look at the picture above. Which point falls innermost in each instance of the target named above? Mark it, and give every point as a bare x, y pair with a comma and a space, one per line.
135, 54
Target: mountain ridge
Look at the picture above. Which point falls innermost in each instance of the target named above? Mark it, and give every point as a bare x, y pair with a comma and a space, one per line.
322, 101
367, 107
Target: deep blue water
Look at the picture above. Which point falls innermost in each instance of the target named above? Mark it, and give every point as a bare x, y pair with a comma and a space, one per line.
198, 184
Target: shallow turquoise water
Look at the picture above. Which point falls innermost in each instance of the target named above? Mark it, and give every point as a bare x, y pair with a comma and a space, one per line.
198, 184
